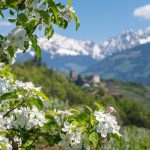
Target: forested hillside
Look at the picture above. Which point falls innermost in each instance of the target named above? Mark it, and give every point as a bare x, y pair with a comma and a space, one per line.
58, 85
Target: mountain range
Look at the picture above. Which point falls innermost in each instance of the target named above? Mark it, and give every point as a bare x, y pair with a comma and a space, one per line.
131, 65
64, 53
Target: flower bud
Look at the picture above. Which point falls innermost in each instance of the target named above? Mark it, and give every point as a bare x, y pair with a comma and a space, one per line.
111, 109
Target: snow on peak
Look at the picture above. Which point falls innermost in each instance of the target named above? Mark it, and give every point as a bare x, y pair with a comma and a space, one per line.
127, 39
62, 46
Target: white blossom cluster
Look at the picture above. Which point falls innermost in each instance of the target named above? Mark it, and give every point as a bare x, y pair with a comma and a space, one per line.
5, 141
6, 86
26, 85
66, 13
16, 39
28, 118
60, 115
106, 123
72, 139
34, 9
23, 117
3, 122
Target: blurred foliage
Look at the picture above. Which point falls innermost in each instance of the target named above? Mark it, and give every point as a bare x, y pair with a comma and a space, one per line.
133, 139
128, 112
58, 85
53, 83
130, 90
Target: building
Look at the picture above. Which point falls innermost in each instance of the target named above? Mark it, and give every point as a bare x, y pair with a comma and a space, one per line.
94, 79
73, 75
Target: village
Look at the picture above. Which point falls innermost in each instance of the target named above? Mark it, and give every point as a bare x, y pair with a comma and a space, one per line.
93, 80
85, 81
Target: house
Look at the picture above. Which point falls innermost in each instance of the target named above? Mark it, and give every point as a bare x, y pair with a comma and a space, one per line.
95, 79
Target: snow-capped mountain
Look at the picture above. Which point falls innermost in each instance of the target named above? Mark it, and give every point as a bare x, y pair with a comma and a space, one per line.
62, 46
127, 39
64, 53
130, 65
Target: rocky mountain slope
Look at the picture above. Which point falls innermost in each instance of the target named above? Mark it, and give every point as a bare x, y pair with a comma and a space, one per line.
132, 65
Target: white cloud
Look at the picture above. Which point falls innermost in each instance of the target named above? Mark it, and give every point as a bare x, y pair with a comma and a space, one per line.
142, 12
5, 24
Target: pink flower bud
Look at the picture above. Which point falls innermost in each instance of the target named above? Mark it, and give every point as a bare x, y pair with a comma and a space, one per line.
111, 109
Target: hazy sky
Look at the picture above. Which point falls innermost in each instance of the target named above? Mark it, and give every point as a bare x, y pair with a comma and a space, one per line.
101, 19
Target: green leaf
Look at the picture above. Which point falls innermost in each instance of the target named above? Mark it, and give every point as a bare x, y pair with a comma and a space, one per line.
26, 45
8, 96
81, 117
1, 14
90, 109
45, 16
38, 51
91, 119
63, 24
93, 138
99, 106
76, 19
11, 12
22, 18
41, 94
10, 51
69, 3
37, 102
52, 7
36, 47
11, 20
49, 32
3, 146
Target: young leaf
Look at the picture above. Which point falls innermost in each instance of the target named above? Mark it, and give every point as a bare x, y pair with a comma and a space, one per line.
8, 96
69, 3
37, 102
90, 109
22, 18
3, 146
1, 14
49, 32
11, 12
45, 16
10, 51
76, 19
99, 106
53, 7
63, 24
11, 20
42, 95
93, 138
36, 47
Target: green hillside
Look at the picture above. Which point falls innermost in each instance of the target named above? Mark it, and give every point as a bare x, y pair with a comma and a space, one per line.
54, 84
129, 109
130, 90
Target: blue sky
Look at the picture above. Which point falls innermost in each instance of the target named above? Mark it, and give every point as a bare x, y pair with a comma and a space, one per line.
101, 19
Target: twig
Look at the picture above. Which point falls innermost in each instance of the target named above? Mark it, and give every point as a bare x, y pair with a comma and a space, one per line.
14, 144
